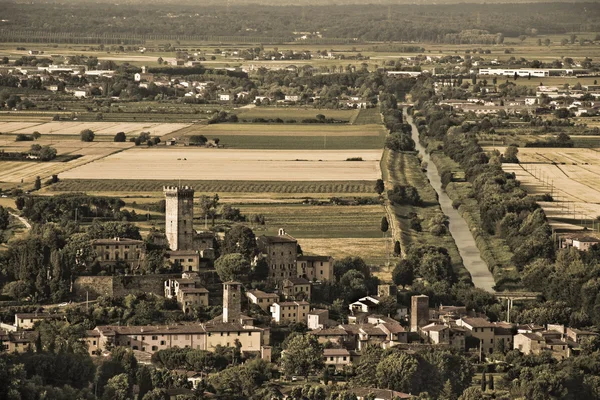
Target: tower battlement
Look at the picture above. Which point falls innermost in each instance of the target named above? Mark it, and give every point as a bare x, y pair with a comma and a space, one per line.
179, 191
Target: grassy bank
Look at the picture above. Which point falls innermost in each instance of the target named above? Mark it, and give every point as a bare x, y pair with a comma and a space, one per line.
494, 250
405, 169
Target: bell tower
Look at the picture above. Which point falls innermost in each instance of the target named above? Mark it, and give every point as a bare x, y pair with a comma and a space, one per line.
179, 217
232, 302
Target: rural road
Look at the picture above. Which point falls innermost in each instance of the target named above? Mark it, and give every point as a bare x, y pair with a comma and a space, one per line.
481, 276
22, 220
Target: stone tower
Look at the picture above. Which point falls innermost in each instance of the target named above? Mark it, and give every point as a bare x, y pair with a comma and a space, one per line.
232, 302
179, 217
419, 312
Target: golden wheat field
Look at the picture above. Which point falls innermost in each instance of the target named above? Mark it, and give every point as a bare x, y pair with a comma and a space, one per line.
221, 164
99, 128
27, 171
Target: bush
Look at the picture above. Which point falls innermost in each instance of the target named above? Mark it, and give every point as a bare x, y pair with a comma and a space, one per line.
120, 137
23, 138
87, 135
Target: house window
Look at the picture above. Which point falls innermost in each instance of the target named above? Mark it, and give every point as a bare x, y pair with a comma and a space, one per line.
154, 348
344, 358
187, 337
330, 358
107, 247
190, 259
162, 342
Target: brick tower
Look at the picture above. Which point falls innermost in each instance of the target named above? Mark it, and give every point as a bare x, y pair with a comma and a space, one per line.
179, 217
419, 312
232, 302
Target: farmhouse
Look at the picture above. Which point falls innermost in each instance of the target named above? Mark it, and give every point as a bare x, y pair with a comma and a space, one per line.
280, 253
262, 299
118, 251
296, 288
290, 311
318, 268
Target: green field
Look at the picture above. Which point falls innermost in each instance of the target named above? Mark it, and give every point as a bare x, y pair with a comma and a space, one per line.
291, 136
294, 113
318, 221
368, 116
146, 185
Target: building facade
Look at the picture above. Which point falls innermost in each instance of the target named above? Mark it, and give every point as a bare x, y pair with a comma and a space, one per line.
318, 268
179, 215
280, 253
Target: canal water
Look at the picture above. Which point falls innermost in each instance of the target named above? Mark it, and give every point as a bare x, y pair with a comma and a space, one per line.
481, 276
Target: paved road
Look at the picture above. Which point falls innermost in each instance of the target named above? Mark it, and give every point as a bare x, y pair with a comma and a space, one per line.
481, 276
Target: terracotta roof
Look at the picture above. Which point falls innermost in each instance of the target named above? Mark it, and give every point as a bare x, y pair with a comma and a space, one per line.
319, 312
478, 322
313, 258
116, 241
335, 352
394, 328
297, 281
259, 294
329, 332
194, 290
532, 336
434, 328
278, 239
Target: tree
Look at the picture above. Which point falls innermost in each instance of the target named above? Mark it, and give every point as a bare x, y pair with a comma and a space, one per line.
398, 371
36, 135
233, 267
491, 382
117, 388
240, 239
120, 137
87, 135
38, 183
144, 381
510, 154
397, 248
388, 305
483, 382
47, 153
302, 356
379, 186
4, 218
197, 140
384, 224
367, 368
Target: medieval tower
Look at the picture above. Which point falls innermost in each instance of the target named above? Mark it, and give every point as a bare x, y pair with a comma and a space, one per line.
232, 302
419, 312
179, 217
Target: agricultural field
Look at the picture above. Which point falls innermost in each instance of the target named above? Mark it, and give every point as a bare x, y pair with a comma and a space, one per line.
294, 113
291, 136
26, 171
221, 164
318, 221
99, 128
246, 191
570, 176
